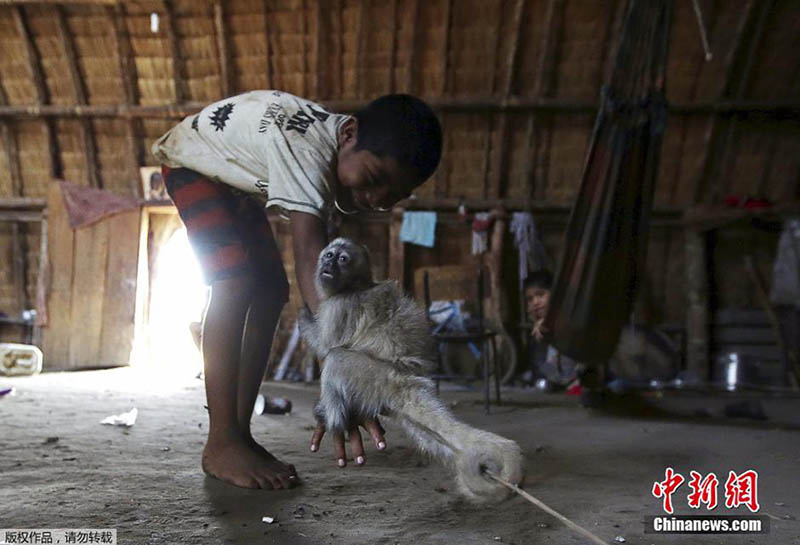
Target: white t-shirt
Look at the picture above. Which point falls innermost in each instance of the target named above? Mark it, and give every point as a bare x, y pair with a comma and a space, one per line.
266, 142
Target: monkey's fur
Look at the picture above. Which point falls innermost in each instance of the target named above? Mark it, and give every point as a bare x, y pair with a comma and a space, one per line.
374, 344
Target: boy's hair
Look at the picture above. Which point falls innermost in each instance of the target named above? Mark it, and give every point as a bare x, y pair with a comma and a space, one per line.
403, 127
539, 279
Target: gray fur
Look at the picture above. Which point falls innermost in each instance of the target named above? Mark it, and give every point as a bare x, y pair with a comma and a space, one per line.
375, 347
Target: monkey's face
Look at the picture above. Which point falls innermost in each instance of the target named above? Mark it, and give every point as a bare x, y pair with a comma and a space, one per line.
343, 266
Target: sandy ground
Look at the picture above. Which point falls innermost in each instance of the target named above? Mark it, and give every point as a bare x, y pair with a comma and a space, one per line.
59, 468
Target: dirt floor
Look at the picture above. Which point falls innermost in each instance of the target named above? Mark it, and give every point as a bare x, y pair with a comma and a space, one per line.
59, 468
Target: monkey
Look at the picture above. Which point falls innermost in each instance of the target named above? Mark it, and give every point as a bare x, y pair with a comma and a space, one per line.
375, 348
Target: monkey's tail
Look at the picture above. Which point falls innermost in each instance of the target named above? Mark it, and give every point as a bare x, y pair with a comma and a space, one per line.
470, 451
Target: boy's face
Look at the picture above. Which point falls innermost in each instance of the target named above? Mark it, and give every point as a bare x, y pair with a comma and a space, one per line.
536, 301
373, 182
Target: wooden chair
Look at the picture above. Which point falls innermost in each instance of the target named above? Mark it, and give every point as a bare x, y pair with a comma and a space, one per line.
455, 282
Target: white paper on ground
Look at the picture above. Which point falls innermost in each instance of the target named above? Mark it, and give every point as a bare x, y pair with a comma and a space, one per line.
127, 419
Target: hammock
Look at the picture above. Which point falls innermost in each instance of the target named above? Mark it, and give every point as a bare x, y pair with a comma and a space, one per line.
606, 238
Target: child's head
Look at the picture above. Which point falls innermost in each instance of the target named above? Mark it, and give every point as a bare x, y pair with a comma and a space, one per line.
387, 149
537, 293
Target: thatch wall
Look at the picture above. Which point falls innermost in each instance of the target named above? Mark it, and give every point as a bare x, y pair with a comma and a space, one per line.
732, 128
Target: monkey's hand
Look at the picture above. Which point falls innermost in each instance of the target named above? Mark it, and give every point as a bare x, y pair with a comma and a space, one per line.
373, 427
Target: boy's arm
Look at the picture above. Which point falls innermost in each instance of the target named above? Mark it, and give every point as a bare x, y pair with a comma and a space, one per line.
308, 240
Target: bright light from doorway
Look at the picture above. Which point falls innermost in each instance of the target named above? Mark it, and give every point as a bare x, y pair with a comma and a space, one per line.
177, 298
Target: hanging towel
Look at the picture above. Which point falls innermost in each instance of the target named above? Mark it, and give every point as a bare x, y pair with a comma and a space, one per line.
480, 232
530, 250
419, 228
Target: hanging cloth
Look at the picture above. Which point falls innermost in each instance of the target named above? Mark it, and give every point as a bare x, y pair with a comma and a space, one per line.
419, 228
481, 224
531, 253
606, 237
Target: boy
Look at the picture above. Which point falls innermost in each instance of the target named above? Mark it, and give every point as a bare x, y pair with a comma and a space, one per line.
306, 160
557, 369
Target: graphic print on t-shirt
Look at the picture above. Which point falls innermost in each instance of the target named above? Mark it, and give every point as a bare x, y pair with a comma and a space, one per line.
221, 115
300, 121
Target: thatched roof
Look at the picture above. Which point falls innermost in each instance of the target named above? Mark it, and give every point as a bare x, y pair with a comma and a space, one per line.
517, 82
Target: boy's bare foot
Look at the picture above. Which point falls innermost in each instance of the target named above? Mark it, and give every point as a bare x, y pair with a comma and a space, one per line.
236, 462
272, 459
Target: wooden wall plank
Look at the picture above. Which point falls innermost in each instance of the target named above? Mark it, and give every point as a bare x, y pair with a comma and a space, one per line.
56, 336
119, 300
88, 294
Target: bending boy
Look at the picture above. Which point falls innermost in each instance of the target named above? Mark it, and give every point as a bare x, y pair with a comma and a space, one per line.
307, 161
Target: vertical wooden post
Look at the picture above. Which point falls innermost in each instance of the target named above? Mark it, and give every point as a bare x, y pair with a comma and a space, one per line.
397, 249
268, 54
497, 151
81, 97
178, 68
413, 50
128, 73
697, 311
543, 86
361, 45
37, 76
225, 69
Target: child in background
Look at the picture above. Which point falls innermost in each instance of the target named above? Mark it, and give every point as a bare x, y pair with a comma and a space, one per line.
557, 370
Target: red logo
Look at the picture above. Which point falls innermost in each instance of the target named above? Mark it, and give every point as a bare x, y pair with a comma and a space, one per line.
667, 487
742, 489
703, 491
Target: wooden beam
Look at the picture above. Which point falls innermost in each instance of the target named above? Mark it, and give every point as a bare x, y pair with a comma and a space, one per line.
26, 216
11, 150
15, 172
31, 55
178, 68
223, 47
9, 137
68, 2
320, 68
361, 46
68, 48
779, 110
393, 51
304, 33
34, 63
498, 150
539, 151
81, 97
268, 36
413, 49
129, 75
22, 203
41, 284
18, 259
444, 54
717, 139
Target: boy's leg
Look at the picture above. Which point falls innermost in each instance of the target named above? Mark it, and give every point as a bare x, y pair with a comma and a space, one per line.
227, 455
269, 297
209, 211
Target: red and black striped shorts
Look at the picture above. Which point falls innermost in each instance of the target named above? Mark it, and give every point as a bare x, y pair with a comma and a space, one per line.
229, 232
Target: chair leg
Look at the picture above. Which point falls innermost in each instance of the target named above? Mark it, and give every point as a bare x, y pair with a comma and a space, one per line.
496, 361
485, 356
438, 366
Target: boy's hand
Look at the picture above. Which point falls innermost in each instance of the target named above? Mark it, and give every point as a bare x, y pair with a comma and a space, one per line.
539, 330
374, 428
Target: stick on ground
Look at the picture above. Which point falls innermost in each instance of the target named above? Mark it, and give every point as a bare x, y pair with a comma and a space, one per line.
541, 505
